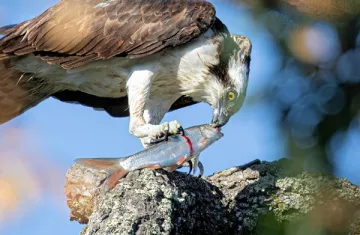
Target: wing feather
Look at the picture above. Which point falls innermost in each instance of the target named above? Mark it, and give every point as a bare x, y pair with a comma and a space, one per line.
88, 30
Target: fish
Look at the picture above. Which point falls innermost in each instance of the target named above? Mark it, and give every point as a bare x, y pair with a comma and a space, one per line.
169, 155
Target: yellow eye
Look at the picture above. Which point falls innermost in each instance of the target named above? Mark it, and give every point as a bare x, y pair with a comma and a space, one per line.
231, 95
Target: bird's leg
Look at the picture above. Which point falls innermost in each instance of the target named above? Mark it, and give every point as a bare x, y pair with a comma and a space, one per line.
138, 89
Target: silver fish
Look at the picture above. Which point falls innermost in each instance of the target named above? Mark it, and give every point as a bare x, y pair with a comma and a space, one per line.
170, 154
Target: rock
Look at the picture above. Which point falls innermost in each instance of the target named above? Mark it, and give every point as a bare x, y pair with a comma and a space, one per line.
240, 200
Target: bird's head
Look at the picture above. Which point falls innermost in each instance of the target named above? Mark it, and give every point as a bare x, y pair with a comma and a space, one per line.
227, 85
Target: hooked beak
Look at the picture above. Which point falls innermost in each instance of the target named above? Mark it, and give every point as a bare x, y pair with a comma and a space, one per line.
219, 118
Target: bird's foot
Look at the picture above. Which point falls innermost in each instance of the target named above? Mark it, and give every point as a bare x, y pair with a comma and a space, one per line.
176, 128
169, 128
162, 136
153, 134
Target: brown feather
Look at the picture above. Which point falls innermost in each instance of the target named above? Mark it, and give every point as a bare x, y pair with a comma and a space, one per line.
5, 56
24, 51
57, 59
18, 92
78, 61
123, 27
4, 29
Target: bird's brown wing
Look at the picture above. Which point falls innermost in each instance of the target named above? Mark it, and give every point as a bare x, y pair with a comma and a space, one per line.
75, 32
4, 29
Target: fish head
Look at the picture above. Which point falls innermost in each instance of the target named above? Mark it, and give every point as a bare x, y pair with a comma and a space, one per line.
210, 134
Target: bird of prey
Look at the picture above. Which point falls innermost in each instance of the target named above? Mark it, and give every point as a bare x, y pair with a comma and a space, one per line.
137, 58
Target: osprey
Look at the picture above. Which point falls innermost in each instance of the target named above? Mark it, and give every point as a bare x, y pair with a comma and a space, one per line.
137, 58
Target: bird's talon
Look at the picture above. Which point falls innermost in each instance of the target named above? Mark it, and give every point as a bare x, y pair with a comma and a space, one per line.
166, 135
201, 168
167, 129
181, 131
190, 167
158, 140
176, 128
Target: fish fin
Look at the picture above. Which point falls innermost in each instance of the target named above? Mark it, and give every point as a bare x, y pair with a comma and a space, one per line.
172, 168
109, 165
154, 167
115, 177
181, 161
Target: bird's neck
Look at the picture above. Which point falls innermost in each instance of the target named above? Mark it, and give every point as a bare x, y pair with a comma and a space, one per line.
202, 90
193, 72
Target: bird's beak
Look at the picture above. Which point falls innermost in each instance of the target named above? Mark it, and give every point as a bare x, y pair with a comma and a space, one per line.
219, 117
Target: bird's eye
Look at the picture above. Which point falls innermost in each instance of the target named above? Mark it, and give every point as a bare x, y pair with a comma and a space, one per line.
231, 95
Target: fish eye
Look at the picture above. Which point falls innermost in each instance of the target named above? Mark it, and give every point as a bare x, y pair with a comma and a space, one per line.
231, 95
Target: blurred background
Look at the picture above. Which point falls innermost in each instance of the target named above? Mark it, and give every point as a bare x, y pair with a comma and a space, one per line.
303, 103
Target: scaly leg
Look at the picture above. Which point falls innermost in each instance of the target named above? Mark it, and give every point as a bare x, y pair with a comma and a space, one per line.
138, 89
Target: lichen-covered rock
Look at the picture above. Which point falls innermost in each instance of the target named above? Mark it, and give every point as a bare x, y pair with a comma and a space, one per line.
155, 202
330, 202
81, 190
260, 198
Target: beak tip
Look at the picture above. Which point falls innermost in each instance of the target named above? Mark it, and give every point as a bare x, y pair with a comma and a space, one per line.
219, 119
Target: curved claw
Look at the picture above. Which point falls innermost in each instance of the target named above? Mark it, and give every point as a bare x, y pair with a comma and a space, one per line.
201, 168
176, 128
165, 137
167, 129
190, 166
181, 131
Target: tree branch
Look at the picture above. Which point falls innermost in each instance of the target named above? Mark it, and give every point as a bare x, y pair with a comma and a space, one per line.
242, 200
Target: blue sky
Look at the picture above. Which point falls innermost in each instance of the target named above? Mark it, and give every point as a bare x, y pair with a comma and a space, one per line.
64, 132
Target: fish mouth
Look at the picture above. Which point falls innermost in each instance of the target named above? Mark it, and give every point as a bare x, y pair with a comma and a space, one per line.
221, 134
219, 131
211, 132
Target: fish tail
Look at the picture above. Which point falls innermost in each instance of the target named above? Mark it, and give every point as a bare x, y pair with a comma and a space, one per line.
110, 165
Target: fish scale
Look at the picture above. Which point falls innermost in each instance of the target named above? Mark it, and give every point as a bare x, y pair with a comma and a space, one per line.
166, 154
169, 154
